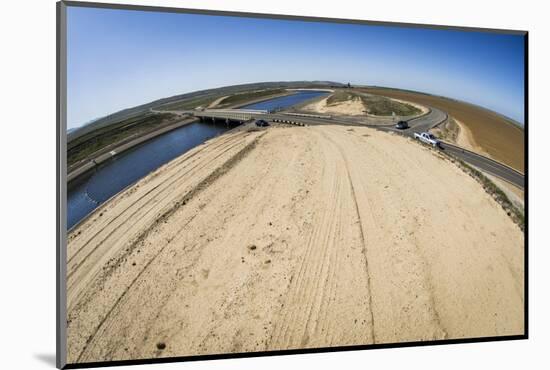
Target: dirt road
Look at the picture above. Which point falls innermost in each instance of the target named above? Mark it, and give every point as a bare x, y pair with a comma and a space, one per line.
293, 237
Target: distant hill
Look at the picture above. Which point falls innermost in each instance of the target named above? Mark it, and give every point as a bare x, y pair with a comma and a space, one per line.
140, 109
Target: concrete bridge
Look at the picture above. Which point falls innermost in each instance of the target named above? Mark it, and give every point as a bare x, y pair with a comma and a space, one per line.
228, 115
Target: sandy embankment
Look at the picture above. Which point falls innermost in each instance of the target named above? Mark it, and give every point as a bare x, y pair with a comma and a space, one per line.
352, 107
466, 140
347, 236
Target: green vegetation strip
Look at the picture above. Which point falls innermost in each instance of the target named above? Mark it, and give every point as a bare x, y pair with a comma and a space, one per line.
192, 103
341, 96
245, 97
382, 106
96, 140
231, 100
375, 104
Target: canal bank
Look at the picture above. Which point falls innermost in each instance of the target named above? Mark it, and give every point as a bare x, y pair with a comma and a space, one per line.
117, 148
114, 173
109, 152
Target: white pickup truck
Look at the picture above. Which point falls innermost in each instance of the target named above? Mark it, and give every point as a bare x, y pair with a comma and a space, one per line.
427, 138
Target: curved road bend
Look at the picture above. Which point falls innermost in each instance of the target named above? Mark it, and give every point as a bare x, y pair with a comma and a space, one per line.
485, 164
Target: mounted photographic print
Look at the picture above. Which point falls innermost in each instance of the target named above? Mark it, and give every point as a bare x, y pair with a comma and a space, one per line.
235, 184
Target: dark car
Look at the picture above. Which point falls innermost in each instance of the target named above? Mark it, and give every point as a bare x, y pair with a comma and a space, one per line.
262, 123
402, 125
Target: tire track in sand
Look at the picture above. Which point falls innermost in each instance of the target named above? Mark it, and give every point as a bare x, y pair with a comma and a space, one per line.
430, 325
315, 308
156, 202
163, 185
216, 174
363, 238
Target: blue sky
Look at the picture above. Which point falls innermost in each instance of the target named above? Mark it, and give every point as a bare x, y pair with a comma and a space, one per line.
118, 59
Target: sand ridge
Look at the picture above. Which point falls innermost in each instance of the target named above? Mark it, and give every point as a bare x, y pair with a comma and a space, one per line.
465, 139
351, 107
347, 236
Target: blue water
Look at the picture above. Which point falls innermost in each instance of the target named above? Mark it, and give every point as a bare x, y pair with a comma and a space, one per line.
125, 169
285, 101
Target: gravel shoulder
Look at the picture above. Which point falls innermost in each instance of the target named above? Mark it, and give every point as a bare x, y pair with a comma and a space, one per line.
293, 237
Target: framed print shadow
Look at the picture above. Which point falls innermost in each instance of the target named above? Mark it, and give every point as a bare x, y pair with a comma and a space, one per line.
235, 184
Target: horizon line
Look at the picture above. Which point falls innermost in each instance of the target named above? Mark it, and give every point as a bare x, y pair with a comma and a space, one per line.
514, 121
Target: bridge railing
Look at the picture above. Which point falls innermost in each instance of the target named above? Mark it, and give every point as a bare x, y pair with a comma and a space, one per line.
231, 114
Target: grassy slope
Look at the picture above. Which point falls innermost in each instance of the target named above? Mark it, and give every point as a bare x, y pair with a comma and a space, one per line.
231, 100
382, 106
192, 103
340, 96
242, 98
87, 144
375, 104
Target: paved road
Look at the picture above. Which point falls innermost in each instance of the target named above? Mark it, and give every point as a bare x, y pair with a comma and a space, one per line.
420, 124
486, 164
423, 123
